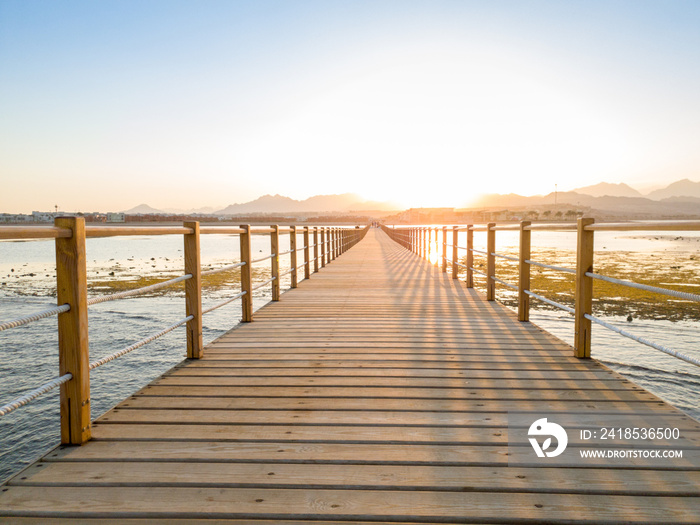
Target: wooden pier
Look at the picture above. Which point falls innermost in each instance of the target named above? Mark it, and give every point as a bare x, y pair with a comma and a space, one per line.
376, 391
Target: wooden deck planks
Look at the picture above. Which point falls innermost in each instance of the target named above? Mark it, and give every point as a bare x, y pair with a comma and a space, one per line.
378, 391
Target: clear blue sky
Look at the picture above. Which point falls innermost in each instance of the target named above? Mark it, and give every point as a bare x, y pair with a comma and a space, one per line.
104, 105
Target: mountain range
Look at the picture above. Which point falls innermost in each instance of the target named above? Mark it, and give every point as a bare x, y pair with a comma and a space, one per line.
346, 202
682, 196
680, 191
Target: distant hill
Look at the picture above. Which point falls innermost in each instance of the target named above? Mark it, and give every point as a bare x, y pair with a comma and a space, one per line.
604, 195
274, 204
607, 189
319, 203
143, 209
622, 207
513, 199
681, 188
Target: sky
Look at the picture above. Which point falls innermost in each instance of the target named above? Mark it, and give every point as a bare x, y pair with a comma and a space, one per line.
106, 105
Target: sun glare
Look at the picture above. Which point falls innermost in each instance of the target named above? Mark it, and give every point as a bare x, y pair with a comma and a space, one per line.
434, 255
436, 129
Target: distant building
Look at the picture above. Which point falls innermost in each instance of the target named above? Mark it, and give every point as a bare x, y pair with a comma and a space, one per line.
42, 216
115, 217
15, 217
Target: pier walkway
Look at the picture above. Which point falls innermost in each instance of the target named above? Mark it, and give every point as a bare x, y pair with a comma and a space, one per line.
379, 390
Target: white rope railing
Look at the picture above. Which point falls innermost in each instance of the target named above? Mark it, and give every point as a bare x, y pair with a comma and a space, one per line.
461, 265
34, 317
550, 302
558, 268
505, 257
227, 301
263, 258
139, 344
263, 284
33, 394
223, 268
646, 287
674, 353
138, 291
478, 251
512, 287
478, 272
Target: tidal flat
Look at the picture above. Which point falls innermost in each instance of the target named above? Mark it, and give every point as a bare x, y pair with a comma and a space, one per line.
675, 269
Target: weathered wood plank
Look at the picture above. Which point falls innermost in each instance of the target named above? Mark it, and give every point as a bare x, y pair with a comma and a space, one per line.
442, 434
279, 452
413, 382
176, 502
397, 393
445, 405
232, 369
427, 362
374, 417
365, 477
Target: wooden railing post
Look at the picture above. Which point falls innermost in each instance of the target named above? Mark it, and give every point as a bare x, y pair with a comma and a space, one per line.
524, 272
426, 244
444, 249
419, 245
293, 255
328, 245
193, 291
307, 253
470, 256
430, 239
323, 247
455, 251
419, 241
329, 241
315, 249
490, 262
246, 275
275, 261
584, 289
435, 245
73, 347
334, 244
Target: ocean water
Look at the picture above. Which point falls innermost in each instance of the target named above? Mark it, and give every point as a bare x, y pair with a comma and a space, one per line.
28, 355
